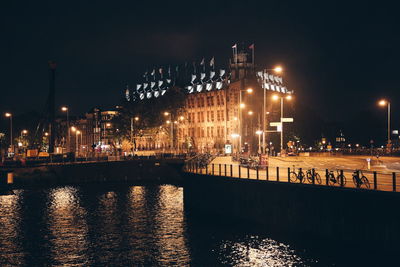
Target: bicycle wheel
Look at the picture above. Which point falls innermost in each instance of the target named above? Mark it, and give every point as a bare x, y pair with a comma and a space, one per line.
331, 179
365, 182
357, 185
318, 178
309, 177
344, 180
301, 177
293, 177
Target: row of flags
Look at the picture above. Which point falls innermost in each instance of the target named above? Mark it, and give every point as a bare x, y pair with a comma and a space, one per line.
162, 71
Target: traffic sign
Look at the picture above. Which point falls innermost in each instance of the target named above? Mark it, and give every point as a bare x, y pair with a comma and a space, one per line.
277, 124
287, 119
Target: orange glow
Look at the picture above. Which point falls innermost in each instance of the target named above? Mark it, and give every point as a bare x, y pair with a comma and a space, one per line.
250, 112
242, 105
64, 108
383, 102
73, 128
289, 97
8, 114
275, 97
136, 118
166, 113
278, 69
249, 90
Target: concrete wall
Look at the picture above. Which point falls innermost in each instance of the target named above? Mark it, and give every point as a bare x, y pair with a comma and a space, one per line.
305, 211
149, 170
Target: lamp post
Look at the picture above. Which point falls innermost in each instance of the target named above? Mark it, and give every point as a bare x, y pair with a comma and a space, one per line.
277, 69
172, 128
23, 133
387, 103
9, 115
276, 97
234, 136
77, 141
242, 106
66, 110
133, 119
259, 133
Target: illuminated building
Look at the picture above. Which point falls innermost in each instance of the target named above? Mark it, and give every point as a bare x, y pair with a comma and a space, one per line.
212, 112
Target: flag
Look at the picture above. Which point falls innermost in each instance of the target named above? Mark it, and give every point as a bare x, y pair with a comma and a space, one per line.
194, 67
212, 62
251, 47
202, 62
153, 72
234, 46
160, 70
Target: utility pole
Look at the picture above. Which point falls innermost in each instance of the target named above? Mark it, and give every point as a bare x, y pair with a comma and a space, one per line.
51, 105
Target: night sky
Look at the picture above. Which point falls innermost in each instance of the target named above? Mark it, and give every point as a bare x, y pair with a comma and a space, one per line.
340, 58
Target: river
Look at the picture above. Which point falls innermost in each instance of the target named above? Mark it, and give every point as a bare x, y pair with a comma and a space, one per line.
103, 225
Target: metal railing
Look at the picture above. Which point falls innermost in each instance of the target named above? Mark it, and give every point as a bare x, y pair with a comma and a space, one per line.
345, 178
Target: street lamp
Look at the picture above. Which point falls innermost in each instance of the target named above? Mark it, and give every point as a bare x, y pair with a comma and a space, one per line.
172, 127
66, 110
9, 115
276, 97
132, 121
76, 141
384, 102
242, 106
278, 70
259, 133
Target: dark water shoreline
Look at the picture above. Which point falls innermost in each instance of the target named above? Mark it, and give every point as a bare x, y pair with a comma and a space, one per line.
129, 225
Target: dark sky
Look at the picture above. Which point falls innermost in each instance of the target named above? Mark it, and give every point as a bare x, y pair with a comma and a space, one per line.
338, 57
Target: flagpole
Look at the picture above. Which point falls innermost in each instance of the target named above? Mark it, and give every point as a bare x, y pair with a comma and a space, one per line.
254, 65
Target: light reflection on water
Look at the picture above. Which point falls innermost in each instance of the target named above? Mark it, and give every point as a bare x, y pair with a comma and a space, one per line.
256, 251
121, 226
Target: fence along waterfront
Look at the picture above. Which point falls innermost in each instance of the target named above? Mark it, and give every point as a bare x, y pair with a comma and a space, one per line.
346, 178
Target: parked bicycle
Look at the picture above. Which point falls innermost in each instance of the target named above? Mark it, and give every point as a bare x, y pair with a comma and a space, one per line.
299, 176
335, 179
360, 180
312, 175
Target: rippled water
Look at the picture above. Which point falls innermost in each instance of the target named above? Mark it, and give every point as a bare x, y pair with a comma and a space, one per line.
125, 226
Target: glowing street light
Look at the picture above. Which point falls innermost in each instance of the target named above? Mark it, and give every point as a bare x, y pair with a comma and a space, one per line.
250, 112
136, 118
66, 110
249, 90
77, 132
383, 103
9, 115
278, 69
166, 113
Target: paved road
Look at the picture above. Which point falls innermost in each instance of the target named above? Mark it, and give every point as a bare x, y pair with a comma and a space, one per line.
320, 164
